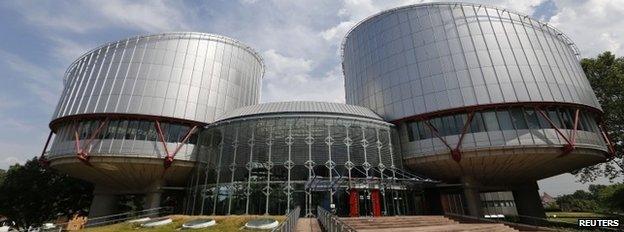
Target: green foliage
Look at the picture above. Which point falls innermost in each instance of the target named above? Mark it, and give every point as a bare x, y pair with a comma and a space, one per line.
606, 76
552, 206
612, 197
31, 195
599, 198
579, 201
2, 175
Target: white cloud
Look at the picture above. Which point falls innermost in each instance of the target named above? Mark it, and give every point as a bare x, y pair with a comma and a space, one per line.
594, 25
40, 81
86, 16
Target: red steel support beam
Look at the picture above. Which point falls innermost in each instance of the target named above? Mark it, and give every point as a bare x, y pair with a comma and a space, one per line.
455, 152
434, 131
82, 152
161, 136
571, 142
607, 139
169, 156
42, 159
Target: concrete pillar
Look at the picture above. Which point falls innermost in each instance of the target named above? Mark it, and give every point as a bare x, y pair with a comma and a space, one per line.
104, 203
472, 197
153, 195
528, 201
152, 200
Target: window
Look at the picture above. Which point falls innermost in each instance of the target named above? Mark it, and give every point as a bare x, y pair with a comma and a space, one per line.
477, 123
452, 127
491, 123
121, 130
566, 118
554, 117
460, 120
411, 129
132, 129
517, 117
144, 127
423, 131
112, 129
532, 119
504, 119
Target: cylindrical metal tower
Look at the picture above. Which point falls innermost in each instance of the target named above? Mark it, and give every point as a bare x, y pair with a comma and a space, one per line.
478, 93
130, 108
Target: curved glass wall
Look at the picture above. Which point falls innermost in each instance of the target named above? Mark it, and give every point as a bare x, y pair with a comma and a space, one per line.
123, 137
271, 164
500, 119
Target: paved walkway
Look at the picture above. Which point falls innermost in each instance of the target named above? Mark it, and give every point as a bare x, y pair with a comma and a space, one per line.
308, 225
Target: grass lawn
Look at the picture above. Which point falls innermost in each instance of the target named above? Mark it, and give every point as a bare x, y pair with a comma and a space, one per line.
224, 223
571, 217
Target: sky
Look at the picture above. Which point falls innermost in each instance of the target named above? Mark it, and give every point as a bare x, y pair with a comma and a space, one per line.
299, 41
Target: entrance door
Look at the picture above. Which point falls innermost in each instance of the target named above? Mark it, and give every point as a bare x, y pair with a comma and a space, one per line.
376, 202
364, 203
354, 200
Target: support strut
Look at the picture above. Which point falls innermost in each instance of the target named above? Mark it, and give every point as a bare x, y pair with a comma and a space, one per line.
43, 161
607, 140
168, 160
456, 151
82, 152
570, 142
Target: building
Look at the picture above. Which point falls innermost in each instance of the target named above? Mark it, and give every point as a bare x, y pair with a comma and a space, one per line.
267, 158
483, 97
131, 107
451, 107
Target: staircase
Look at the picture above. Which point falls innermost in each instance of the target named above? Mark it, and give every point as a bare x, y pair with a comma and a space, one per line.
419, 223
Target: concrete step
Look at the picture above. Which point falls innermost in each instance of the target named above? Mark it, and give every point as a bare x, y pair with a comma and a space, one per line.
446, 228
419, 223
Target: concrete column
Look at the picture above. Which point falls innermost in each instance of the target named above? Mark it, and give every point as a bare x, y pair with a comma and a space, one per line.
104, 203
152, 200
152, 196
472, 196
528, 201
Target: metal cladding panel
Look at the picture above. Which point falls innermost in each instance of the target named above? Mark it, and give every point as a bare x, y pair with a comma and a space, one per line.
301, 107
424, 58
191, 76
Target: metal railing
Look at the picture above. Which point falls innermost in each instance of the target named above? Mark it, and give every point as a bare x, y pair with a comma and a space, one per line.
115, 218
331, 222
290, 224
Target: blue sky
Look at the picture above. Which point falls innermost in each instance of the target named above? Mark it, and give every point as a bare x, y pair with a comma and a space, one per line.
299, 41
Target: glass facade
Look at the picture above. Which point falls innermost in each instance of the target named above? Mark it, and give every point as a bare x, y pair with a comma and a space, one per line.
142, 130
504, 118
272, 162
124, 137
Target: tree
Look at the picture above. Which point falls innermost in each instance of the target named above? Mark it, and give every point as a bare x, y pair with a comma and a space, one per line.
31, 194
606, 76
579, 201
2, 176
612, 197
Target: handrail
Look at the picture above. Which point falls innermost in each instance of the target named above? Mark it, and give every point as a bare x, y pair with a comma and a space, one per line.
331, 222
114, 218
290, 224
